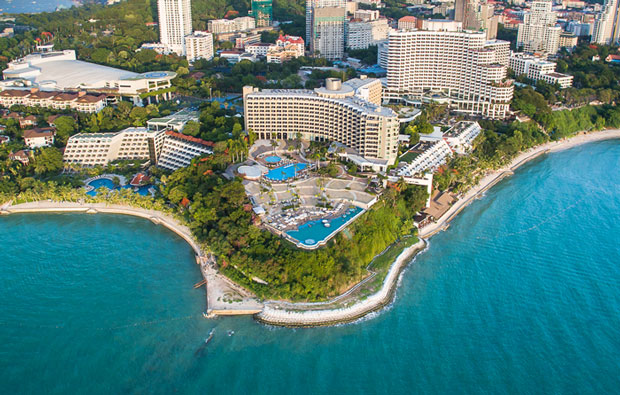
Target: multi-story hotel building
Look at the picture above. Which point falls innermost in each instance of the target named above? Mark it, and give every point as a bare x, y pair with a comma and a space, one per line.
538, 33
80, 101
539, 69
175, 22
178, 150
347, 113
199, 45
606, 29
448, 65
92, 149
325, 28
165, 148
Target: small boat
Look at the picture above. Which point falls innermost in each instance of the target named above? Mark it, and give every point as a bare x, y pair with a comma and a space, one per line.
324, 221
208, 339
230, 333
201, 350
327, 224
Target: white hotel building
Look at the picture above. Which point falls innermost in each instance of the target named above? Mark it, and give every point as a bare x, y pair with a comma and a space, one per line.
348, 113
539, 69
448, 65
165, 148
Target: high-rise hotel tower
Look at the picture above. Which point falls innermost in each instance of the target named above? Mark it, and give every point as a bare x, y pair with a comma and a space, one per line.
447, 64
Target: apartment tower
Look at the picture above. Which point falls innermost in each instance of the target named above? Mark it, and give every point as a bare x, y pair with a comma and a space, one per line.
606, 30
538, 33
325, 28
175, 22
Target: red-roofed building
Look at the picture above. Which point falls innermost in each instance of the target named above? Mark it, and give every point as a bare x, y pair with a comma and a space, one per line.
22, 156
28, 121
409, 22
139, 180
39, 137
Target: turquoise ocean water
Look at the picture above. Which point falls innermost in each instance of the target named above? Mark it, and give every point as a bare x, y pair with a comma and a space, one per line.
17, 6
520, 295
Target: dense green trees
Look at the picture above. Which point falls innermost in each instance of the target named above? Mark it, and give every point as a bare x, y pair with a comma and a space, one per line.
221, 217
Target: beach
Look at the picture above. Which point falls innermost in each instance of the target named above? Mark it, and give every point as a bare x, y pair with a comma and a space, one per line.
227, 298
494, 177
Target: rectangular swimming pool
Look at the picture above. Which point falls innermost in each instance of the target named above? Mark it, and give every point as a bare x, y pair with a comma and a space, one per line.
312, 233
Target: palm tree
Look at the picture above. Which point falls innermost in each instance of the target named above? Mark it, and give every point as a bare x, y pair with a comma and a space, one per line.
274, 144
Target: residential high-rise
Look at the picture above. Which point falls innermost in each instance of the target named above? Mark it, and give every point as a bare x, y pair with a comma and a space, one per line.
325, 28
449, 65
262, 12
175, 22
538, 33
606, 29
476, 15
199, 45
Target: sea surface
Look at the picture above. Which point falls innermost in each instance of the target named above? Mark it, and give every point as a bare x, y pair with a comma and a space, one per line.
18, 6
520, 295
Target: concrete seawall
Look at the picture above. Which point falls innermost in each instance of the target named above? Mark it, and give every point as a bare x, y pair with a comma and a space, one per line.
308, 318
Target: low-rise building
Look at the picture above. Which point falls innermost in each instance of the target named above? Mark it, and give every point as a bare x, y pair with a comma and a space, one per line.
234, 57
39, 137
28, 121
176, 121
426, 156
260, 49
461, 136
80, 101
22, 156
242, 40
292, 43
287, 48
4, 139
536, 69
240, 24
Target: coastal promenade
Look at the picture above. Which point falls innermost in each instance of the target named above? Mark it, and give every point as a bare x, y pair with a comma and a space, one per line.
496, 176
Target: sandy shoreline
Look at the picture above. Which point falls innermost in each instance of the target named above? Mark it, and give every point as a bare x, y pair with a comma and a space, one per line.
223, 296
494, 177
221, 291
